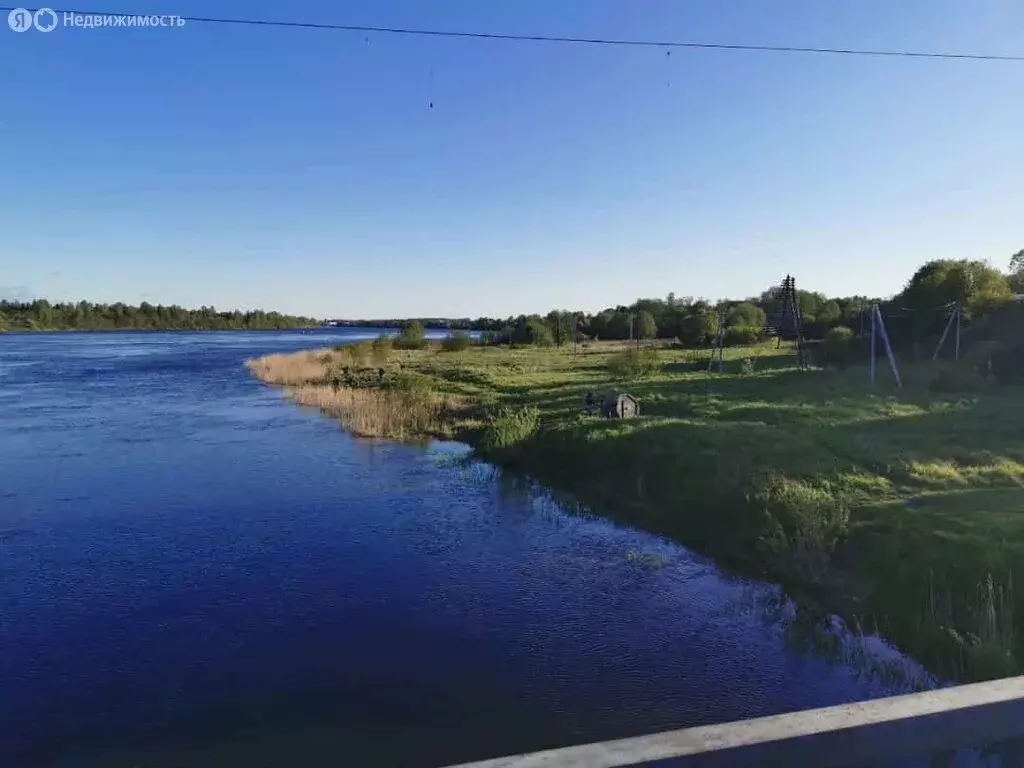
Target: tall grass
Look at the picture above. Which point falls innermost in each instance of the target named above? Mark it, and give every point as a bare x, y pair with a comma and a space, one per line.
974, 634
290, 369
510, 426
379, 412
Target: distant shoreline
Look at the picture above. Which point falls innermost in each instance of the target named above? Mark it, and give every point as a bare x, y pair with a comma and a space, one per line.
14, 331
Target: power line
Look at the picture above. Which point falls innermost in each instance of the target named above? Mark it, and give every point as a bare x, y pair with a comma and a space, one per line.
620, 42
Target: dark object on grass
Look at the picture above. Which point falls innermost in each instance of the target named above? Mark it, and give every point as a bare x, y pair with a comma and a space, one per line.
620, 406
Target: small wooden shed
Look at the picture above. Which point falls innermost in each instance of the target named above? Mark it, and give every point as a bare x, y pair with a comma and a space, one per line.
620, 406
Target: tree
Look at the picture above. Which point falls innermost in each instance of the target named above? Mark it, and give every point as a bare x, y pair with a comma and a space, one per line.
1016, 276
646, 327
829, 312
41, 314
413, 336
942, 282
747, 315
537, 332
561, 324
618, 325
698, 325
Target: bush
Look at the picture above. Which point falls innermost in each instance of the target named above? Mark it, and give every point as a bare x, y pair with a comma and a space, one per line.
838, 343
357, 354
634, 364
381, 349
510, 426
981, 354
746, 315
412, 384
959, 378
1008, 364
537, 332
413, 336
457, 342
742, 335
804, 521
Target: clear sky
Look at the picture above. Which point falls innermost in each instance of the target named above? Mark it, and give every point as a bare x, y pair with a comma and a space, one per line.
305, 171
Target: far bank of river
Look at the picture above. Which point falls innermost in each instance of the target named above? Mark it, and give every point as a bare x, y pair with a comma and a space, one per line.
197, 573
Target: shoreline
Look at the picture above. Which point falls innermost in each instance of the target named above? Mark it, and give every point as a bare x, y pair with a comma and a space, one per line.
889, 509
27, 331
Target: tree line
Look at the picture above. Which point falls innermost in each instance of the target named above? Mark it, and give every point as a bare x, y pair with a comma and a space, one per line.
41, 315
918, 312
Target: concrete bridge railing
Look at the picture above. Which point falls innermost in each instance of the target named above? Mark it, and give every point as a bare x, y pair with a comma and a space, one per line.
933, 724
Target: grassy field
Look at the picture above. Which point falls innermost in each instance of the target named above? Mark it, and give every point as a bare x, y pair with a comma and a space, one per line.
903, 510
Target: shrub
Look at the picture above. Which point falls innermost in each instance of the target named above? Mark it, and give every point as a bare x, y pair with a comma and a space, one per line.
838, 343
981, 354
804, 522
746, 315
538, 333
1008, 364
359, 354
742, 335
510, 426
413, 336
411, 384
381, 349
958, 378
457, 342
634, 364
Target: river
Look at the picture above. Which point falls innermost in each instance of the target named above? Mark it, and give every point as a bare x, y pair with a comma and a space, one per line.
196, 572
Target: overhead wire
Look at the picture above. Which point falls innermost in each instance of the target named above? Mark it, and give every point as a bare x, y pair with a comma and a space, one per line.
567, 39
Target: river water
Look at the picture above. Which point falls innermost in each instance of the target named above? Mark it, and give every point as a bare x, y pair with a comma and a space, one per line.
195, 572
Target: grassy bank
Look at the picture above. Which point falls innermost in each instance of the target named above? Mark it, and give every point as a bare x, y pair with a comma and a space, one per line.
901, 509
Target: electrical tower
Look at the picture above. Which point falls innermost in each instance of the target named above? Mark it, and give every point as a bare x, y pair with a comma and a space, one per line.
789, 321
717, 361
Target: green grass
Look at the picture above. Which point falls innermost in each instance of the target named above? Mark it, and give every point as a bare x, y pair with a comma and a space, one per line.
900, 509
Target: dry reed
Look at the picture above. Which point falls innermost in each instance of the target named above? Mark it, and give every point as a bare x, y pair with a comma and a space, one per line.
289, 370
377, 412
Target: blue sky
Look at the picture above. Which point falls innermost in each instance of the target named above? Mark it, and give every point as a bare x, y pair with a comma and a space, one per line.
305, 171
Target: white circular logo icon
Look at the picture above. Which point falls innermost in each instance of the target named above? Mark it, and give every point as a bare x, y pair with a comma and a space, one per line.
20, 20
45, 20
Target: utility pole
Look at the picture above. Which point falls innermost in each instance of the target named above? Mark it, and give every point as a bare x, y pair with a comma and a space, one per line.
959, 317
874, 314
955, 317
